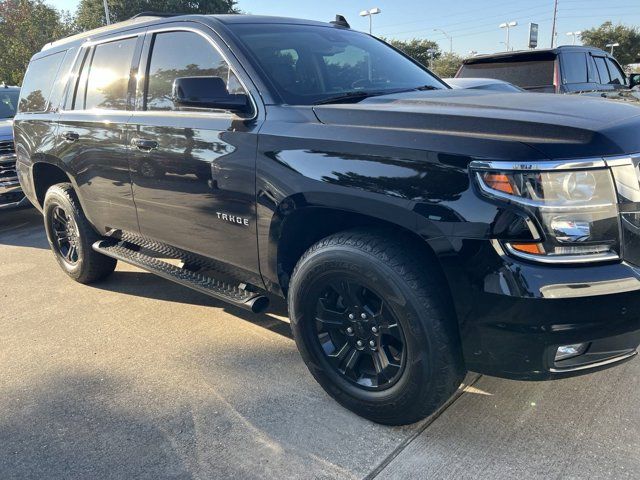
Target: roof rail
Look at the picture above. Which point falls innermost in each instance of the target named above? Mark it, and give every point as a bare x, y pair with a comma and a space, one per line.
156, 14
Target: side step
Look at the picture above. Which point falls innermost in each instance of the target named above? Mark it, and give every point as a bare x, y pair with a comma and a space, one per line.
236, 295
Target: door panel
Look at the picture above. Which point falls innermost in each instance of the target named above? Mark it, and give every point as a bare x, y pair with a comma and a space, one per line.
193, 169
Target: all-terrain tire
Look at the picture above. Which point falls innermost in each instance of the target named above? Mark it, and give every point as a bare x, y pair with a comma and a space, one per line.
89, 266
412, 285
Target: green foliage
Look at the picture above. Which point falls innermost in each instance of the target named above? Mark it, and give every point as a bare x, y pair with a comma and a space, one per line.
447, 65
417, 48
628, 38
25, 26
90, 13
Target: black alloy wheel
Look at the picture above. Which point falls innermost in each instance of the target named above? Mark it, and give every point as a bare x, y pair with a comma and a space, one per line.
359, 334
65, 232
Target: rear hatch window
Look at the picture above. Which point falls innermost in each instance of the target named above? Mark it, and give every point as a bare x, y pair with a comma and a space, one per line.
524, 72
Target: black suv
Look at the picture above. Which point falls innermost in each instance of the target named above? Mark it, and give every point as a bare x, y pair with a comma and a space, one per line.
417, 231
566, 69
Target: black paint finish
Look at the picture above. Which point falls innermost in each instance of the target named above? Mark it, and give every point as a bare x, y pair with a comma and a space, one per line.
398, 161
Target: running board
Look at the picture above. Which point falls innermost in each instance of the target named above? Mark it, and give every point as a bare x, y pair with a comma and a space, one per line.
237, 295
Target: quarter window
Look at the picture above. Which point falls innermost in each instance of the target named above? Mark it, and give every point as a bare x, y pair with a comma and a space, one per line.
183, 54
104, 80
38, 82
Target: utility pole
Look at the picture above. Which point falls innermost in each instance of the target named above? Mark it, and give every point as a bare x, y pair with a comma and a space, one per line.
446, 35
553, 28
106, 11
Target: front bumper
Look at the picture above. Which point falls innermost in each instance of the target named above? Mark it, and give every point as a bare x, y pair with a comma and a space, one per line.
11, 195
517, 314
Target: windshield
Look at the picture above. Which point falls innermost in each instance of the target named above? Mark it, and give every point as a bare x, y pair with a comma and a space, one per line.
8, 102
307, 64
525, 74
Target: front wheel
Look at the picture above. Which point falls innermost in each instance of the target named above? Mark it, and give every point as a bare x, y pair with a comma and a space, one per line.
370, 322
71, 236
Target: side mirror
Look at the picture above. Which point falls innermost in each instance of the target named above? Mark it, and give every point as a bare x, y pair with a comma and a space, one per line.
207, 92
634, 79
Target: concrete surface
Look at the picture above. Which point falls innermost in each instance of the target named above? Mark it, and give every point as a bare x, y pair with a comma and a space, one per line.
137, 377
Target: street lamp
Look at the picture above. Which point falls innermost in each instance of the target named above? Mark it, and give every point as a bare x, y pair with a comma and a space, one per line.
446, 35
370, 13
431, 52
612, 45
508, 26
574, 35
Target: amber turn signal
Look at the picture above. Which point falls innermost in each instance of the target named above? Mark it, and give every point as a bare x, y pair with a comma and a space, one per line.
498, 181
533, 248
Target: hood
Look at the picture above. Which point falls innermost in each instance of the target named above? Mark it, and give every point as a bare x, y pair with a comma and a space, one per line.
6, 128
558, 126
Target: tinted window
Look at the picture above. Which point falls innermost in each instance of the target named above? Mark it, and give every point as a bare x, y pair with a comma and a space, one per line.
601, 66
617, 77
8, 102
183, 54
38, 82
592, 71
63, 77
574, 67
307, 63
107, 80
526, 74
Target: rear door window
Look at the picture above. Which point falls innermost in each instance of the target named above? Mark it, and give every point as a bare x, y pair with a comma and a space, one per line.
574, 67
526, 74
104, 79
183, 54
38, 82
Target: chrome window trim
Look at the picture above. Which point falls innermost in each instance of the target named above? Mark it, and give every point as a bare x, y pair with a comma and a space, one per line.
180, 28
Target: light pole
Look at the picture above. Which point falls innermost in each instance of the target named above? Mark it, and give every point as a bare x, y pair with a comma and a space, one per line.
431, 52
508, 26
370, 13
574, 35
446, 35
106, 12
612, 46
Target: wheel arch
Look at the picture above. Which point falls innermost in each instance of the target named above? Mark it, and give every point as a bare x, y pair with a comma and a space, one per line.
44, 174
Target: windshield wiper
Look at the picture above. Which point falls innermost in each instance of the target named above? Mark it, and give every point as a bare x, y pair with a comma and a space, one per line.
349, 96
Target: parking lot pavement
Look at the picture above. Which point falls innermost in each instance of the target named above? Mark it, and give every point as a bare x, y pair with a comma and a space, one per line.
137, 377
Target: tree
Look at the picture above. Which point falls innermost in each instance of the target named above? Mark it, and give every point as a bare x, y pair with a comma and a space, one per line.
25, 27
447, 65
418, 49
628, 38
90, 13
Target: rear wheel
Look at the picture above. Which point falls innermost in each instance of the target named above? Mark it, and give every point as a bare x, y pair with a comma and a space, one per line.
370, 322
71, 236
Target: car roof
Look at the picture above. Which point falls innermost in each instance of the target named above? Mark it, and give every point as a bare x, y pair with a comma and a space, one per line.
542, 52
148, 19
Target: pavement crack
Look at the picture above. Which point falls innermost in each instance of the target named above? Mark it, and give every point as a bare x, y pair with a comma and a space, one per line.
406, 442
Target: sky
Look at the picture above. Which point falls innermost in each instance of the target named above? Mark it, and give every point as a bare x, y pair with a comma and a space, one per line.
473, 25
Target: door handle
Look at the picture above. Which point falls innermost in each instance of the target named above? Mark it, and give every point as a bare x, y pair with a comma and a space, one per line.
144, 145
70, 136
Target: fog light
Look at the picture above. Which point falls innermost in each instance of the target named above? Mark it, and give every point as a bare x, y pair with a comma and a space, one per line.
570, 351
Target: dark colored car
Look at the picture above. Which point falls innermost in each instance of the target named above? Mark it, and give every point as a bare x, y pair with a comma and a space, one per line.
11, 195
565, 69
416, 231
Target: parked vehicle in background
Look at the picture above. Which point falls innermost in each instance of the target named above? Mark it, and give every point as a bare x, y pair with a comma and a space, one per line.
565, 69
416, 231
11, 195
482, 84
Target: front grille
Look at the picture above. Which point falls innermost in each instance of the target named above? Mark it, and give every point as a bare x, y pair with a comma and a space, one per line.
7, 161
7, 148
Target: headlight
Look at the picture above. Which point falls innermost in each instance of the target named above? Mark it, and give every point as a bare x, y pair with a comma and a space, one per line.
576, 210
